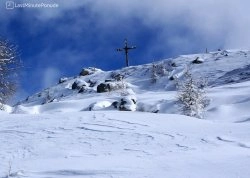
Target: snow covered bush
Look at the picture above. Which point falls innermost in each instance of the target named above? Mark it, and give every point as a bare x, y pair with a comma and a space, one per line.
154, 75
48, 98
198, 60
159, 70
117, 76
191, 95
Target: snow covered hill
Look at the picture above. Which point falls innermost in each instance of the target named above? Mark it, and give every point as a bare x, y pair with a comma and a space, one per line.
104, 144
152, 93
77, 128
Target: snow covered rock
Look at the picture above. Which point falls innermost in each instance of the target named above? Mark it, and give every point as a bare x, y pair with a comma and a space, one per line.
99, 105
89, 71
110, 86
103, 87
78, 84
128, 103
63, 79
198, 60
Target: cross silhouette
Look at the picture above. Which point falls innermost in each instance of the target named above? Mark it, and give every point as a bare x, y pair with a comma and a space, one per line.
126, 49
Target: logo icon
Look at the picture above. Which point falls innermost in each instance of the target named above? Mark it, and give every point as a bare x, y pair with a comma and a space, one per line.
9, 5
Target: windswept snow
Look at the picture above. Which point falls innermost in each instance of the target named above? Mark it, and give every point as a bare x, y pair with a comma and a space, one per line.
67, 131
123, 144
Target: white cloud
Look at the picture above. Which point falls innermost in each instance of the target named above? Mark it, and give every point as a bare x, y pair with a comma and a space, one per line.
210, 23
227, 21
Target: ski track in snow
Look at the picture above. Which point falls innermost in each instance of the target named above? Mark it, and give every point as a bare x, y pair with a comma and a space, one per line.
55, 139
96, 136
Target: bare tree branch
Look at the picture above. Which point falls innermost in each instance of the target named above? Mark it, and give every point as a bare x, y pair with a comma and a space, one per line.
10, 65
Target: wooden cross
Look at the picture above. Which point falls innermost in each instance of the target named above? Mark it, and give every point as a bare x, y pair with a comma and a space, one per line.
126, 49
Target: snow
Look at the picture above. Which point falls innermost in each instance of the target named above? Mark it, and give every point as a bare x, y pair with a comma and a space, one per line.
54, 134
99, 105
123, 144
229, 103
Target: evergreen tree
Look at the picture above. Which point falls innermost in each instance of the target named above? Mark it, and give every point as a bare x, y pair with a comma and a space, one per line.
191, 96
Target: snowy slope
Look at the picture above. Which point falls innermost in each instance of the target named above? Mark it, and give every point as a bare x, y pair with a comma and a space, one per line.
122, 144
218, 68
52, 134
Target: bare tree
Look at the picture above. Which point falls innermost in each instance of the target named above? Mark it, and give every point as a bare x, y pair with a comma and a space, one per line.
191, 95
9, 65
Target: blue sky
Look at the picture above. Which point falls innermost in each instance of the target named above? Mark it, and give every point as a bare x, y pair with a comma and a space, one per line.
56, 42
